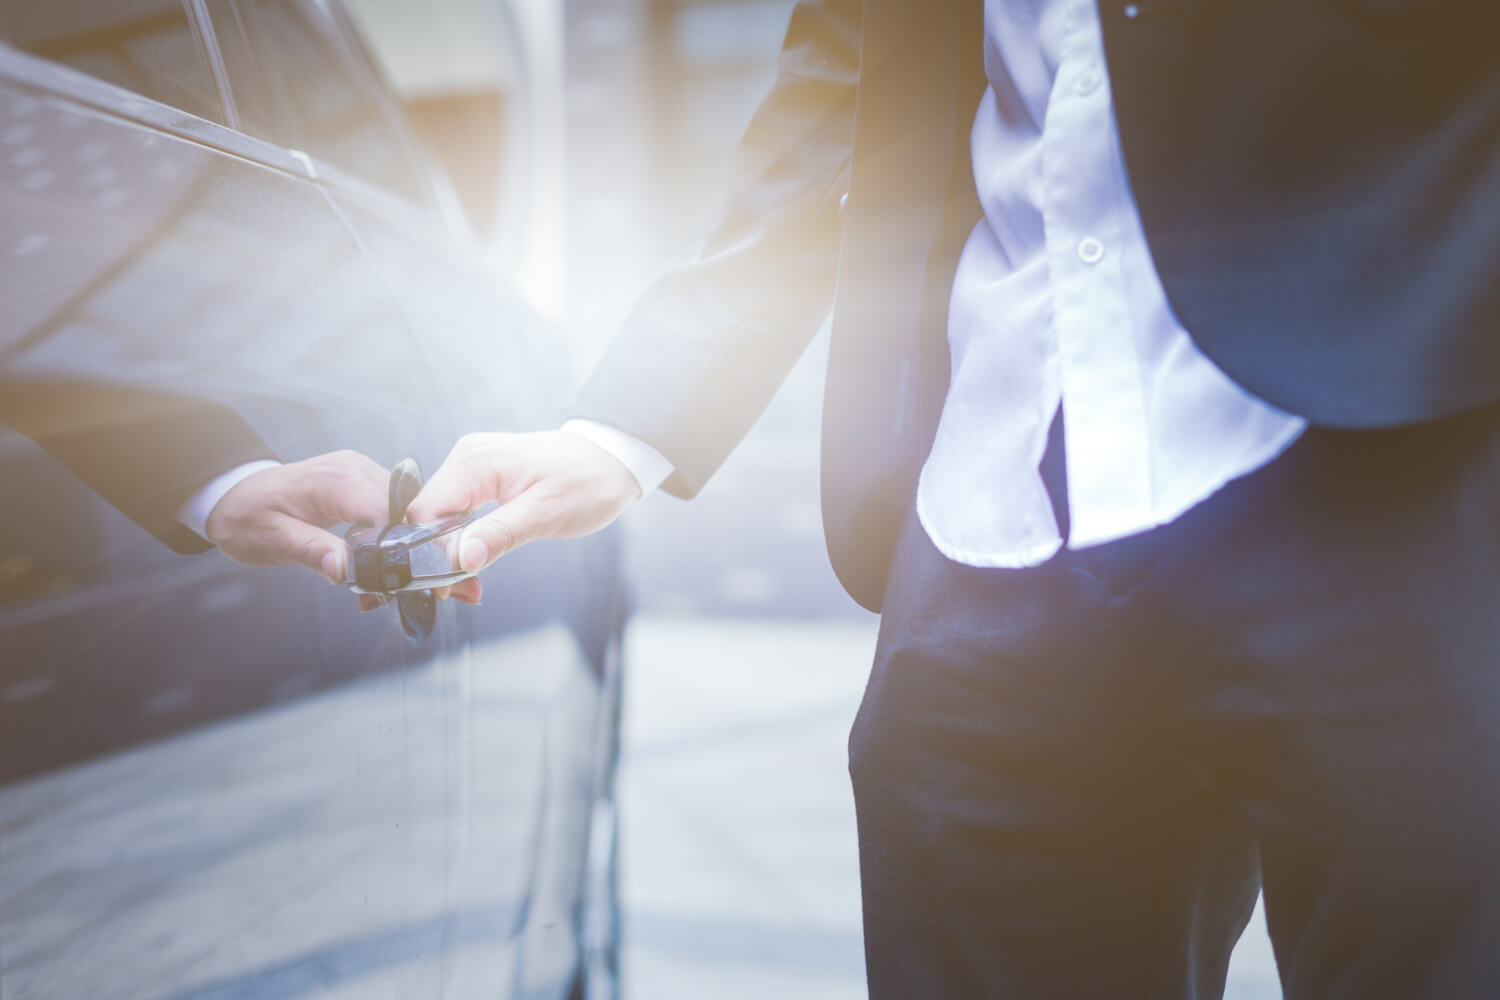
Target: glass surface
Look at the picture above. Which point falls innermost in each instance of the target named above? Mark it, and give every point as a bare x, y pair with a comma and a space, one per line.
457, 71
145, 46
299, 87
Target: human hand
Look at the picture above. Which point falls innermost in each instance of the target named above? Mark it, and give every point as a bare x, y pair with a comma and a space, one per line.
282, 515
550, 484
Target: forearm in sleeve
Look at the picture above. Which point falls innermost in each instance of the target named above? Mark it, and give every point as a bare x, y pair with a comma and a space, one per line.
705, 348
144, 450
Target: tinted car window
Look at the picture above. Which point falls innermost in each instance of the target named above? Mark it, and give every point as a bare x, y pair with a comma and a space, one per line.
146, 46
459, 80
299, 87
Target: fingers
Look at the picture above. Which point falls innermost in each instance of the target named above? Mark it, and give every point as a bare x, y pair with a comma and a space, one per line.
469, 477
505, 530
309, 545
450, 490
283, 516
468, 591
345, 486
549, 484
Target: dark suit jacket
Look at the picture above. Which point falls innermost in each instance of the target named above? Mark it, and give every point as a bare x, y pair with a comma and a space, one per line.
144, 449
1319, 182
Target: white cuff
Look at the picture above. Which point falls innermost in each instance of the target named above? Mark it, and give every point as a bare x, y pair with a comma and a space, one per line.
193, 514
649, 466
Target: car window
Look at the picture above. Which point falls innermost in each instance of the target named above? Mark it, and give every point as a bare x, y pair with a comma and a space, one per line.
146, 46
298, 87
459, 82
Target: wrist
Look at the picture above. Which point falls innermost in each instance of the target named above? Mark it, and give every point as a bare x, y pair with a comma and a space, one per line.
648, 468
197, 512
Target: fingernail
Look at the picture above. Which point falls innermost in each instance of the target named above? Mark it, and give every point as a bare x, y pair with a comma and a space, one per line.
332, 571
472, 555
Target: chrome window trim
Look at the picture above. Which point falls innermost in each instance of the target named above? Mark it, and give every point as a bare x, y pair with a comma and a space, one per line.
371, 83
46, 79
427, 205
202, 27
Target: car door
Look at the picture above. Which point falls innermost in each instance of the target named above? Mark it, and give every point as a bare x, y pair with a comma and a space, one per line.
543, 639
218, 781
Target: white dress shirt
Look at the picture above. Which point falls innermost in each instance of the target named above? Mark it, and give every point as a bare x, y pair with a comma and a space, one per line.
649, 466
1056, 301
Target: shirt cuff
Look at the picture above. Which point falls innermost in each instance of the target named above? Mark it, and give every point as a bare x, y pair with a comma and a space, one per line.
649, 466
193, 514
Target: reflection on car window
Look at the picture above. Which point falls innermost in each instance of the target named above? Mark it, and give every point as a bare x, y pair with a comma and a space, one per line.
146, 46
302, 91
458, 79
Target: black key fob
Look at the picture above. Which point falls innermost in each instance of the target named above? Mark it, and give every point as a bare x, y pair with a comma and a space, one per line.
406, 561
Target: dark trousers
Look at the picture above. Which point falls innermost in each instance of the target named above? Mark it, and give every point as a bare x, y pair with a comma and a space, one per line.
1071, 780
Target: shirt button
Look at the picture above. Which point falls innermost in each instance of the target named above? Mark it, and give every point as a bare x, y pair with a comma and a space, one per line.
1132, 11
1090, 250
1089, 81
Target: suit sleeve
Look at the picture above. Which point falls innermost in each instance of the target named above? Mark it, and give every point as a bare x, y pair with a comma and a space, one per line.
142, 449
705, 348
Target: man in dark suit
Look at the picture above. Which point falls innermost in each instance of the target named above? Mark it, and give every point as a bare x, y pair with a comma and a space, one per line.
1161, 422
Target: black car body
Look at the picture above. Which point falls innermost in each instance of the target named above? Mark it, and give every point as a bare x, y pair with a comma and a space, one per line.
225, 782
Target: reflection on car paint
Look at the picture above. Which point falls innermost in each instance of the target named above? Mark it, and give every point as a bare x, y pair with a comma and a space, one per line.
355, 837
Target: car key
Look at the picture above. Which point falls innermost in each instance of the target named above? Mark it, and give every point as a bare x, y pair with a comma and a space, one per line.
406, 561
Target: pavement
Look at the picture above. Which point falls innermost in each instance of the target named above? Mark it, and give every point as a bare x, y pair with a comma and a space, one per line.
739, 868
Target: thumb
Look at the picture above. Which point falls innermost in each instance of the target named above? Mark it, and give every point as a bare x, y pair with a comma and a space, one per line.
309, 545
502, 531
